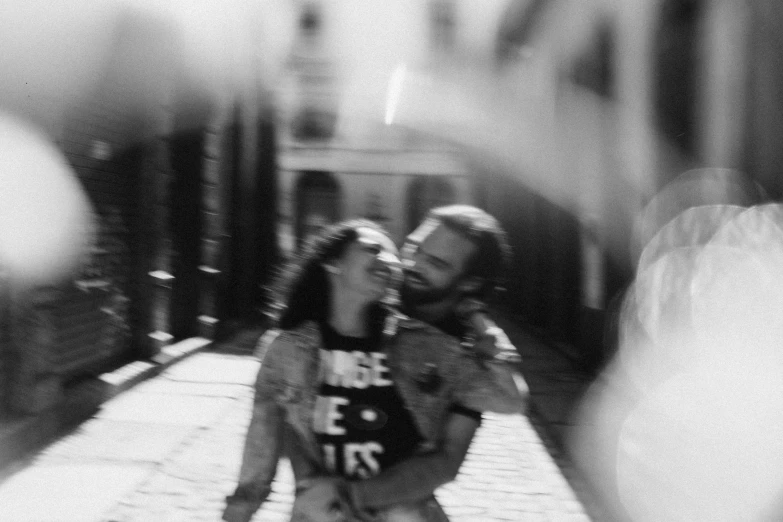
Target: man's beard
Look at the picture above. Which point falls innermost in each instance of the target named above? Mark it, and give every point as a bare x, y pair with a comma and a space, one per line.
412, 297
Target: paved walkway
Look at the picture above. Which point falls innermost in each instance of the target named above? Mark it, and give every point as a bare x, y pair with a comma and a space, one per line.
169, 449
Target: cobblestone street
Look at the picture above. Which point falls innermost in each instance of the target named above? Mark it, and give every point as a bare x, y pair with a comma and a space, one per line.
169, 450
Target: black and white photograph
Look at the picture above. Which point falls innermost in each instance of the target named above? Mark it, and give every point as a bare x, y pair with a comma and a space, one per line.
391, 261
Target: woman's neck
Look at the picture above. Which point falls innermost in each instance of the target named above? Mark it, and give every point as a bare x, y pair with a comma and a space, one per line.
349, 315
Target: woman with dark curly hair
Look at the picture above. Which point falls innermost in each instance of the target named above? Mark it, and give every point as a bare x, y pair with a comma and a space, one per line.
349, 389
304, 290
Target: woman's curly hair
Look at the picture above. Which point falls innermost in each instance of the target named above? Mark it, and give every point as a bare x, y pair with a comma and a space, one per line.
302, 292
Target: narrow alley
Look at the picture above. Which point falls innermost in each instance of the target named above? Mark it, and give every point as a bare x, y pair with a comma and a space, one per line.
169, 448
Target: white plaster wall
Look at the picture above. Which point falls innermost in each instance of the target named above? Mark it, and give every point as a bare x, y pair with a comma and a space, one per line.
392, 189
360, 188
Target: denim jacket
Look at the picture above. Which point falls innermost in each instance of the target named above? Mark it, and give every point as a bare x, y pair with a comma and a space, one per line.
430, 369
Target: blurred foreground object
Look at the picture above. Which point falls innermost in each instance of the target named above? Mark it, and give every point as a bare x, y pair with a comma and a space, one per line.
686, 423
45, 217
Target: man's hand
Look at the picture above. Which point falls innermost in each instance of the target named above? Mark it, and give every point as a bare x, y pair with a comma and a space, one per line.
491, 342
494, 345
318, 500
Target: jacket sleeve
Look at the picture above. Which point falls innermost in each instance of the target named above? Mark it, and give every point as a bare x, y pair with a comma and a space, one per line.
264, 441
417, 477
489, 386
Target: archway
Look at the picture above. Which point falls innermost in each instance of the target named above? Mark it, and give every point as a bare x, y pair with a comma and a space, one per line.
425, 193
317, 203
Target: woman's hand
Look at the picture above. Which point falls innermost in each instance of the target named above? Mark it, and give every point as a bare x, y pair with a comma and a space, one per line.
238, 512
318, 500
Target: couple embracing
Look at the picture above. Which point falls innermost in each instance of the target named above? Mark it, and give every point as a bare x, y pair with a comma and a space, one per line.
375, 399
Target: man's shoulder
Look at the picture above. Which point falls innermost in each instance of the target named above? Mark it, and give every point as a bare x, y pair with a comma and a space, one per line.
408, 323
409, 329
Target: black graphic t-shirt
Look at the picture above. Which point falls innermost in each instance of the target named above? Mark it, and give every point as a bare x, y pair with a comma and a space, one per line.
360, 421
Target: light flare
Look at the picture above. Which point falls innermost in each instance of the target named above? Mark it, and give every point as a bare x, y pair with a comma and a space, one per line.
45, 217
395, 89
686, 422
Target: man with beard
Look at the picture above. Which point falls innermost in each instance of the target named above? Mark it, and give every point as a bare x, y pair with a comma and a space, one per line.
453, 263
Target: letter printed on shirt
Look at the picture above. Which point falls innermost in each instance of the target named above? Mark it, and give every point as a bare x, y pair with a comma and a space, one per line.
362, 371
327, 414
358, 454
379, 370
326, 371
329, 457
344, 367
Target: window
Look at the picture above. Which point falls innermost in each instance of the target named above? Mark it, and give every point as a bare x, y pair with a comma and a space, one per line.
318, 203
425, 193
